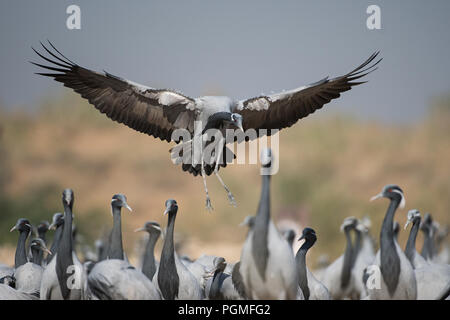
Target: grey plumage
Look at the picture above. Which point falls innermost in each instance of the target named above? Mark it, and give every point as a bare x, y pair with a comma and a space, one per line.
204, 268
433, 279
8, 290
27, 274
64, 277
289, 235
57, 225
410, 250
41, 229
173, 279
364, 258
397, 275
6, 271
427, 227
8, 293
221, 286
337, 277
24, 228
237, 280
312, 289
115, 278
267, 262
149, 263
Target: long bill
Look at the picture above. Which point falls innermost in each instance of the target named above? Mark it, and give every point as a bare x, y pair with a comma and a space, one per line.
378, 196
406, 224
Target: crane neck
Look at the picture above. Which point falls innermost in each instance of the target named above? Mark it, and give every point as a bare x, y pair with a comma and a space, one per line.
55, 244
367, 242
300, 259
116, 247
40, 253
169, 246
387, 235
348, 259
357, 247
260, 249
149, 265
64, 260
216, 284
410, 250
36, 256
428, 246
42, 235
168, 279
21, 253
389, 258
236, 279
66, 236
264, 202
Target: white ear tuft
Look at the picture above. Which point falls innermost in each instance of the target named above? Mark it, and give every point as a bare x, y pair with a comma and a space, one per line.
403, 201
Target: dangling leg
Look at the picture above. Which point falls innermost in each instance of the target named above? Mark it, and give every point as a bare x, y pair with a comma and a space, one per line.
209, 207
230, 195
216, 172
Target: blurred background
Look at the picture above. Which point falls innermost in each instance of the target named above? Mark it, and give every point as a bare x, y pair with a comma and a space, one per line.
394, 129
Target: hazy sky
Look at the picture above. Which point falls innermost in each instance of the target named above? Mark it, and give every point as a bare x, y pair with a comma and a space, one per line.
238, 48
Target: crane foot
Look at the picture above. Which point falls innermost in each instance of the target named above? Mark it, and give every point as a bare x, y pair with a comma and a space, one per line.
231, 199
209, 207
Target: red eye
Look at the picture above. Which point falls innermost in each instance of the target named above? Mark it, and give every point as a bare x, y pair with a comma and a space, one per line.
389, 190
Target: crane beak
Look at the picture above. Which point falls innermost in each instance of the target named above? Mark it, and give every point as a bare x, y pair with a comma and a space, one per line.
52, 226
301, 238
378, 196
167, 210
139, 229
244, 223
125, 205
48, 251
13, 228
406, 224
238, 124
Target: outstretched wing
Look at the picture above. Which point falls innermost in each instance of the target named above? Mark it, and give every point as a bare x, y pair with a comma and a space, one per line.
156, 112
282, 110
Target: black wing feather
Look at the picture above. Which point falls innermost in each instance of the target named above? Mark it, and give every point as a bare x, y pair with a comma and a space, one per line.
282, 110
136, 106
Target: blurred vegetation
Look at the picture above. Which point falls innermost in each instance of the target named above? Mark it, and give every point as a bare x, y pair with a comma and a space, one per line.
329, 167
38, 199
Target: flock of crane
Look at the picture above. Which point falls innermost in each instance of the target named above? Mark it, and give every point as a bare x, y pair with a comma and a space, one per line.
268, 269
